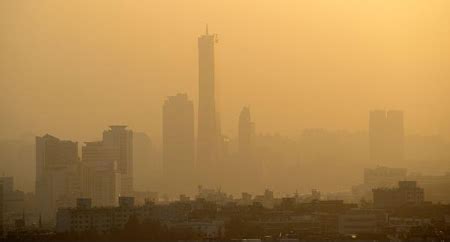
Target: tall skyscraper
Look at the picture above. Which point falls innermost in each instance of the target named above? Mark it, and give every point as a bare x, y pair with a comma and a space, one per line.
109, 163
377, 134
386, 136
120, 139
208, 119
250, 169
395, 135
142, 161
102, 178
178, 142
56, 174
246, 133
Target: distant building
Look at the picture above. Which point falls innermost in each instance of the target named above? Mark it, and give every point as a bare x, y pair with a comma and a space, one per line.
144, 164
209, 134
57, 174
377, 177
248, 171
407, 193
102, 180
178, 143
383, 176
246, 133
102, 220
211, 229
386, 136
362, 221
108, 163
119, 138
437, 186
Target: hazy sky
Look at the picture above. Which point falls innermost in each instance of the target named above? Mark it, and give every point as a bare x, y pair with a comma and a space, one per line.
71, 68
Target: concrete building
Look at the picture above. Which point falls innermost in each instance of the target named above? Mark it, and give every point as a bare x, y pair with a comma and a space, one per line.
437, 186
178, 144
209, 134
57, 175
386, 136
144, 163
362, 221
102, 180
209, 229
407, 193
120, 139
101, 220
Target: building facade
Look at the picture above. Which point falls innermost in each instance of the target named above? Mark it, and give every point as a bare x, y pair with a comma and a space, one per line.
386, 136
407, 193
178, 143
57, 175
209, 135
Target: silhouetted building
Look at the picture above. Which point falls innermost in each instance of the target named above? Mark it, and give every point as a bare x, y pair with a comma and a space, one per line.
121, 139
407, 193
386, 136
208, 119
178, 142
99, 220
383, 176
362, 221
246, 133
56, 174
249, 170
437, 186
102, 179
143, 161
377, 177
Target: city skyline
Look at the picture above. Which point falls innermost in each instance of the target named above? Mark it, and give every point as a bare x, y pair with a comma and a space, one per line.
293, 67
231, 120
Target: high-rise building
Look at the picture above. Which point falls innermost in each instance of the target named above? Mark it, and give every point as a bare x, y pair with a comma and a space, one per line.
377, 135
246, 132
395, 135
120, 139
386, 136
109, 164
208, 145
57, 174
178, 142
143, 162
102, 179
249, 169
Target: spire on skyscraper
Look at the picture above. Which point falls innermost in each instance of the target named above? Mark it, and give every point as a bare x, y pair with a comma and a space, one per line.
207, 32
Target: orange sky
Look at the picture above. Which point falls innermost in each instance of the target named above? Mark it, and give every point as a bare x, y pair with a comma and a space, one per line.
71, 68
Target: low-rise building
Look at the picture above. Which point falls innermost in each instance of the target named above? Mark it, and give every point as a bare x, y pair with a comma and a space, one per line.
101, 220
362, 221
407, 193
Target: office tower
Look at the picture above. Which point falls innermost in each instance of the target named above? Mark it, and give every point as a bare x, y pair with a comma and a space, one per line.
250, 170
178, 142
246, 132
377, 134
57, 177
144, 164
386, 136
208, 123
120, 139
109, 166
395, 135
102, 179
